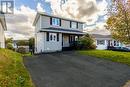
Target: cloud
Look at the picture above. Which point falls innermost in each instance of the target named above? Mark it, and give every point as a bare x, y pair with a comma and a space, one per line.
20, 23
88, 11
16, 36
39, 8
97, 29
78, 9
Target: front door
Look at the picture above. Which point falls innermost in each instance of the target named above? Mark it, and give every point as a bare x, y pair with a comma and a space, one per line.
65, 40
68, 40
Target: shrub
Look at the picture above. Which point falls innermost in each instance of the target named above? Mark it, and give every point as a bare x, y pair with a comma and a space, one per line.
22, 43
93, 46
21, 50
9, 46
86, 42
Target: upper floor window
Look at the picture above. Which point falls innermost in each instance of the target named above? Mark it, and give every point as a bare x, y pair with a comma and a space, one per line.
74, 25
55, 21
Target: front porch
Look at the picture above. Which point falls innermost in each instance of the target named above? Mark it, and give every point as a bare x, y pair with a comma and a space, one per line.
56, 39
69, 40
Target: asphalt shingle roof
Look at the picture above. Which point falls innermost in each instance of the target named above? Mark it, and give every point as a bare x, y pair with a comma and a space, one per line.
101, 36
62, 30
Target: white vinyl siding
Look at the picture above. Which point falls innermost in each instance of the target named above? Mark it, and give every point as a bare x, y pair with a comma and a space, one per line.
65, 24
52, 46
2, 37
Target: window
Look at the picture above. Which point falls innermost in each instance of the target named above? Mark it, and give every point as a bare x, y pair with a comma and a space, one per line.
116, 43
74, 25
100, 42
55, 21
76, 38
52, 36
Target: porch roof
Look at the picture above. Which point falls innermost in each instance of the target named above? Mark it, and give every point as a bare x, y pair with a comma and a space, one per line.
61, 30
102, 37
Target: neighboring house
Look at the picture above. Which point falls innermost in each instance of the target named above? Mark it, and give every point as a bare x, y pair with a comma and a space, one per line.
16, 45
103, 41
25, 47
2, 29
53, 33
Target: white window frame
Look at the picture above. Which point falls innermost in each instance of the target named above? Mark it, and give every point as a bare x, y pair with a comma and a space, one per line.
55, 21
74, 25
54, 37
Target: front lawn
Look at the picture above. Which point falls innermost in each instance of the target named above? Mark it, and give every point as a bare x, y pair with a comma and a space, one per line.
121, 57
12, 71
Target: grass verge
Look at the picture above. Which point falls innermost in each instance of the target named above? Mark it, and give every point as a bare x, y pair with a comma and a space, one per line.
12, 71
121, 57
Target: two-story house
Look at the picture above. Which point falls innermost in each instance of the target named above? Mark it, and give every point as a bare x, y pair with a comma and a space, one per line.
53, 33
2, 29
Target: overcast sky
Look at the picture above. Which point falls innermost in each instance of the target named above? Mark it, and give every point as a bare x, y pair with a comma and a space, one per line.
93, 12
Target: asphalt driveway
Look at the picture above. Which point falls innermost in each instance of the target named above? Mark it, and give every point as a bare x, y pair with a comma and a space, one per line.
69, 69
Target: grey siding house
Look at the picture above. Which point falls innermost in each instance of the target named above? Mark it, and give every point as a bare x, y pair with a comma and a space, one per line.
103, 41
2, 29
54, 33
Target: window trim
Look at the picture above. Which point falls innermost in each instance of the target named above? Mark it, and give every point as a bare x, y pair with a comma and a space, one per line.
53, 18
76, 23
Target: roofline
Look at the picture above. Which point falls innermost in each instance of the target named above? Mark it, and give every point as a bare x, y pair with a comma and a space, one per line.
77, 33
61, 30
100, 36
36, 19
48, 15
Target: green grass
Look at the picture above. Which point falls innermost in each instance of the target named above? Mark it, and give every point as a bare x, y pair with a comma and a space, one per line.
121, 57
12, 71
